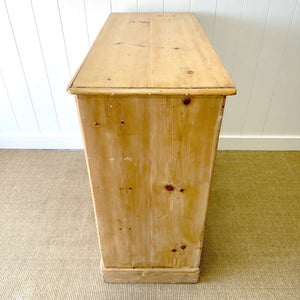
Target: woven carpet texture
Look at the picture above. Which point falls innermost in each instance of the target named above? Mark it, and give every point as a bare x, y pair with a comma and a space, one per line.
49, 247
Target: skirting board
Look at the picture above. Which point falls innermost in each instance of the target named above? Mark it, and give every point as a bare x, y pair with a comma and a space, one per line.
73, 142
263, 143
49, 142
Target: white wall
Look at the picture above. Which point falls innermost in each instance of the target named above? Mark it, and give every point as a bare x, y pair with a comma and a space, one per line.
43, 43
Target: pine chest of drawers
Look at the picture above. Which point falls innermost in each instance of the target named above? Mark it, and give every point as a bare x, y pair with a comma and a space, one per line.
150, 96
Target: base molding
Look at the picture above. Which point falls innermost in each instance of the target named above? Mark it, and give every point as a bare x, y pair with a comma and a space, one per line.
262, 143
155, 275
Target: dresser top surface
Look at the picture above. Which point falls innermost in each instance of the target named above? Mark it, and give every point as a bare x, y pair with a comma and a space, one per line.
162, 53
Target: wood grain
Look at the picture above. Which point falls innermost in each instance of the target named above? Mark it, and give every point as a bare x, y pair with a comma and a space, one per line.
152, 51
164, 275
150, 161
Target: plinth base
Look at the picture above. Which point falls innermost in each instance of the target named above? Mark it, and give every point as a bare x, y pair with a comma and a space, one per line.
155, 275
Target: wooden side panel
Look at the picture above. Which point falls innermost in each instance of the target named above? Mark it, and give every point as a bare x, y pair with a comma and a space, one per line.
150, 161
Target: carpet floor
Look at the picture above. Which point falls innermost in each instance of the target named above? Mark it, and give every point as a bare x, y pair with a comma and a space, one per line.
49, 248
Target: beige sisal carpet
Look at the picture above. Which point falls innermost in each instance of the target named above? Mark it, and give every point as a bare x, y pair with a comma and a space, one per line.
48, 242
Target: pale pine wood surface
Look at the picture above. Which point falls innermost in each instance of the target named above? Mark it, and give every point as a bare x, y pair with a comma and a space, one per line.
152, 91
135, 147
163, 275
150, 157
152, 51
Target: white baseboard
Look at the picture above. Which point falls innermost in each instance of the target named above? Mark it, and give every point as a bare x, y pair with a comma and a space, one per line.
48, 142
271, 143
74, 142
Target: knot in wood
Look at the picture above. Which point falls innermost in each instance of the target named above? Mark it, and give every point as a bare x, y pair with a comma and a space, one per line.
169, 187
186, 100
